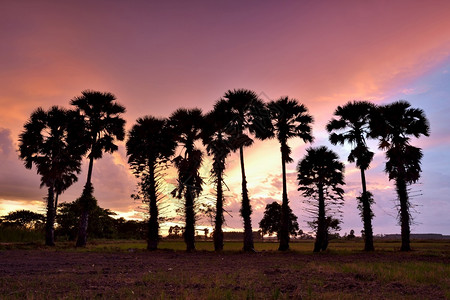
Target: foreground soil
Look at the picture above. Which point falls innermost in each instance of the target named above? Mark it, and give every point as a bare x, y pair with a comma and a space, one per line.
49, 273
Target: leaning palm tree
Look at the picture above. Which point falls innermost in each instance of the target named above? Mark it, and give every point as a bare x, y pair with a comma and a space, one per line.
352, 126
290, 119
49, 143
216, 137
320, 177
187, 127
394, 126
103, 125
248, 116
150, 145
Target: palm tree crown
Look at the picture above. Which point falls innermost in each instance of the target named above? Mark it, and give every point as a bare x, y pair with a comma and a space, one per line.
395, 126
103, 121
352, 126
290, 119
150, 141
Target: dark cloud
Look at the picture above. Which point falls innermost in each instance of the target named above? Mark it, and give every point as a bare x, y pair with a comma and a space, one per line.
16, 182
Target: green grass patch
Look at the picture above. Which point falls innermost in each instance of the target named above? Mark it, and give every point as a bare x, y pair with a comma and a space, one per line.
20, 235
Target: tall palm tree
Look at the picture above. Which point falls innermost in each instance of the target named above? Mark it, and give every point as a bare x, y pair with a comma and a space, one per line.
290, 119
352, 126
320, 177
103, 125
150, 145
49, 143
216, 137
187, 126
248, 116
394, 126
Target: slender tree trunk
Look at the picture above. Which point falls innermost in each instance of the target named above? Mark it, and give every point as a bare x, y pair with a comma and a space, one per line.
218, 233
246, 209
91, 167
284, 232
82, 229
153, 226
50, 221
189, 232
404, 213
367, 216
55, 210
322, 230
84, 218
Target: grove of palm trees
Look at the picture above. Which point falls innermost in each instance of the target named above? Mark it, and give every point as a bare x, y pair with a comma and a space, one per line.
55, 142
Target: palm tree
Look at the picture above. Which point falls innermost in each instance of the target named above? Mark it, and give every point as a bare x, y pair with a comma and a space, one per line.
187, 126
149, 147
353, 126
49, 143
394, 126
290, 119
216, 137
248, 116
320, 176
103, 125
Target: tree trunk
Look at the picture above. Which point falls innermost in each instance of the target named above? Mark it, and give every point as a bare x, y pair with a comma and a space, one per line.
218, 233
91, 167
86, 200
246, 209
50, 220
55, 209
284, 230
153, 226
404, 213
189, 232
83, 224
82, 229
367, 216
322, 230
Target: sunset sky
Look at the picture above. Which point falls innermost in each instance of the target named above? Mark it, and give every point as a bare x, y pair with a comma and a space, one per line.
157, 56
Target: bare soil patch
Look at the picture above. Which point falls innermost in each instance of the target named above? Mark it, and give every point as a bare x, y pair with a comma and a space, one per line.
45, 273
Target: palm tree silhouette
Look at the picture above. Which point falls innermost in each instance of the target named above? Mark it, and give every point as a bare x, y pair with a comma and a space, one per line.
394, 126
149, 147
289, 119
103, 125
352, 126
320, 175
248, 116
50, 143
217, 139
187, 126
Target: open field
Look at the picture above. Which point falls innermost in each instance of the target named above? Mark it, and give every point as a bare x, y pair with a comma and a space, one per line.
123, 269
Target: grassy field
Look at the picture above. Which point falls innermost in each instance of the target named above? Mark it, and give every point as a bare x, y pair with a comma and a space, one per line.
125, 270
422, 247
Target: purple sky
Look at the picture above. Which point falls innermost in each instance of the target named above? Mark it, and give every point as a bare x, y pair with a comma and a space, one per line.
157, 57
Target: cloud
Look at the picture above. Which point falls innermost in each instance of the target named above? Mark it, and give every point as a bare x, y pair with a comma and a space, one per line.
16, 182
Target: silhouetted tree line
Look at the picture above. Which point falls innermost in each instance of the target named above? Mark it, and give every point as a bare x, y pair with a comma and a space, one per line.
102, 224
55, 141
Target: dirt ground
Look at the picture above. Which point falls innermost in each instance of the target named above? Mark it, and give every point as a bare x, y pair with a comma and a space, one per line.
48, 273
